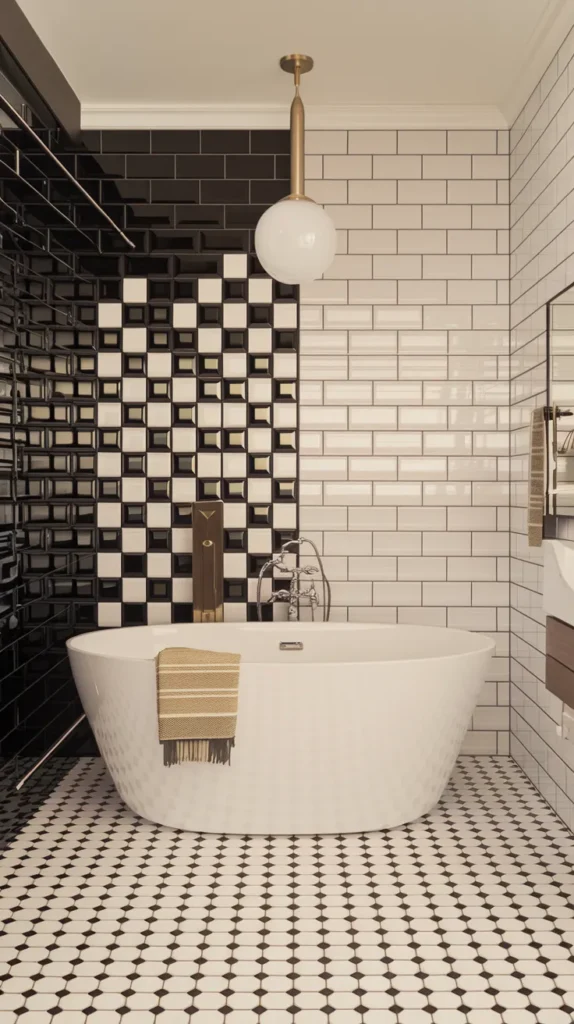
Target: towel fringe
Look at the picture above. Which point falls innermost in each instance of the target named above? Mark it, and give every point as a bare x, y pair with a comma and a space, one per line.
207, 751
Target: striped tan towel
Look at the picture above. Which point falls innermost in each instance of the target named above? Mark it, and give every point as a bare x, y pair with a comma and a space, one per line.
537, 469
197, 695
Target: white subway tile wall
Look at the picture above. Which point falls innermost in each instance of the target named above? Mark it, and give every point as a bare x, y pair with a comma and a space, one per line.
404, 393
541, 264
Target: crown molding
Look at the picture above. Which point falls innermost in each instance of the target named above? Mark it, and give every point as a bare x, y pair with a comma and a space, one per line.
551, 31
349, 116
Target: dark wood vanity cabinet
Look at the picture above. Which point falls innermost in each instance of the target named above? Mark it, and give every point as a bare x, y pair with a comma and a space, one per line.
560, 660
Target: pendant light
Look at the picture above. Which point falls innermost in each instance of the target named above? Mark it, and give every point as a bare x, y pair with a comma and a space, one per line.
295, 240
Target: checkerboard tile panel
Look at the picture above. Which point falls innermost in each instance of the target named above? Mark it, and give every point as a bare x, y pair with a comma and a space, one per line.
197, 400
462, 917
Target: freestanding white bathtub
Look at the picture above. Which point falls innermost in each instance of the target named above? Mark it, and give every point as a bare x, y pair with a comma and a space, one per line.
357, 731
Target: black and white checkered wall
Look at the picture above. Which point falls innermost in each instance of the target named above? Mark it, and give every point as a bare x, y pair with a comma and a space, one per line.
197, 400
196, 377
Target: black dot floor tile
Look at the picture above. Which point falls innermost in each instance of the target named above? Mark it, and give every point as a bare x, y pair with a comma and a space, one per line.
461, 917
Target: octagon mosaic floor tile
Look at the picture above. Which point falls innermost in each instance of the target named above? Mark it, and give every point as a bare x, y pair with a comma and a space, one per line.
461, 917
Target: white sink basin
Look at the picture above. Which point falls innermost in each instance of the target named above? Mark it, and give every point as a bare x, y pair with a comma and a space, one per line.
558, 593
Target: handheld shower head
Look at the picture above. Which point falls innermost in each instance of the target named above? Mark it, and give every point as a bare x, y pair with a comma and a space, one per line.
286, 547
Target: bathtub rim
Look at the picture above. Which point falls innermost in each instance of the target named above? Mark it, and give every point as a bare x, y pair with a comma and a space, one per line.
488, 644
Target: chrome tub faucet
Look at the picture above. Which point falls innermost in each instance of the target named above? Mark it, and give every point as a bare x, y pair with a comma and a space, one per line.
296, 594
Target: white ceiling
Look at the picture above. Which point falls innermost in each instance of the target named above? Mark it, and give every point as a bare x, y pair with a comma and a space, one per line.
198, 53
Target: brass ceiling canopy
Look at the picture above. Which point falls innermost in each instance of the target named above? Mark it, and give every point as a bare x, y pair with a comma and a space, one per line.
296, 62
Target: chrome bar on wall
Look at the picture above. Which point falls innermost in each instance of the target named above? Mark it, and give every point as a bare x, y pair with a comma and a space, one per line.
49, 752
13, 114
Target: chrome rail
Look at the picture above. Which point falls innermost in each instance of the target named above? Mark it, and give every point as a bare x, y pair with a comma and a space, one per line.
15, 116
49, 752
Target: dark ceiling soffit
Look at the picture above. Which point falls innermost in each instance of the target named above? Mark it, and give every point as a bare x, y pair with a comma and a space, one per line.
34, 72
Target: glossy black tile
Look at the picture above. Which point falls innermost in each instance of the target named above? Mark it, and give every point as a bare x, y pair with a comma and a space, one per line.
110, 242
90, 140
134, 614
172, 191
148, 266
225, 141
241, 166
224, 191
174, 241
204, 166
126, 191
89, 217
134, 141
235, 290
150, 166
283, 166
149, 215
270, 141
175, 141
245, 216
271, 191
200, 266
201, 216
112, 165
159, 290
224, 241
285, 291
99, 266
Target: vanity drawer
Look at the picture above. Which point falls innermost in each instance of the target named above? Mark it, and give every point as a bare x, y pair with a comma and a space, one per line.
560, 660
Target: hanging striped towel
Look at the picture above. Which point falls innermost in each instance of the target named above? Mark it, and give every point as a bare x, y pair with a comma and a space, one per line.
197, 694
536, 475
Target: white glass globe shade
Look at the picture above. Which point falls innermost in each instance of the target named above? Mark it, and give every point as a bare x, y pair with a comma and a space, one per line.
295, 241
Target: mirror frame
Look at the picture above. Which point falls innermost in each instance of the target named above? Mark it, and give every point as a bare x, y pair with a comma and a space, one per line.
551, 518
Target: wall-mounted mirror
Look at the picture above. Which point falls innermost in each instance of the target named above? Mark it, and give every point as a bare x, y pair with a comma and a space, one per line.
560, 404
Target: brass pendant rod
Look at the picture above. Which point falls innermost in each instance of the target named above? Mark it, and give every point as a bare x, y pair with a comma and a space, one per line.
297, 146
297, 64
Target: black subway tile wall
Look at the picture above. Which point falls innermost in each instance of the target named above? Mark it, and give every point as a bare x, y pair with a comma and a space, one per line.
136, 382
196, 368
47, 451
